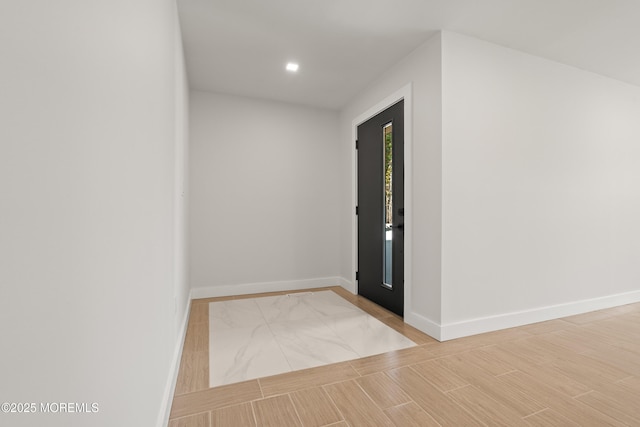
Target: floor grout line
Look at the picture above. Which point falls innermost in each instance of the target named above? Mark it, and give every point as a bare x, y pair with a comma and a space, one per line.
295, 409
457, 388
507, 373
621, 380
535, 413
334, 404
583, 394
260, 387
253, 412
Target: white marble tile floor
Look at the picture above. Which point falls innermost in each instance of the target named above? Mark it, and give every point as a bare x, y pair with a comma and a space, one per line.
258, 337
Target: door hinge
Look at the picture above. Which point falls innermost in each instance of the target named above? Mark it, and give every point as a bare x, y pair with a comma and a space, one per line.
356, 210
357, 276
356, 144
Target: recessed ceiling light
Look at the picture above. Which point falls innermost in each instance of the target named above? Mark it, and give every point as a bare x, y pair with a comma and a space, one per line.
292, 66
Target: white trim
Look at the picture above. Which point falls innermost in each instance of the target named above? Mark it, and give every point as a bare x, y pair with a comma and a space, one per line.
420, 322
167, 400
257, 288
402, 93
348, 285
509, 320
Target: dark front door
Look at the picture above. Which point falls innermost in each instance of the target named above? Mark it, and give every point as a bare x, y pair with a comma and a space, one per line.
381, 208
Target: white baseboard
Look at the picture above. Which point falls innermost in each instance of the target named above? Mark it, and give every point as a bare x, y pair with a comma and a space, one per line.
257, 288
348, 285
509, 320
423, 324
167, 400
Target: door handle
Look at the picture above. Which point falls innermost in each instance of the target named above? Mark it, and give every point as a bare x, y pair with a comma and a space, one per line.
399, 226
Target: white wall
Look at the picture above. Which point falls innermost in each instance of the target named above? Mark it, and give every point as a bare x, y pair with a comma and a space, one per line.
181, 182
422, 68
541, 188
265, 186
90, 96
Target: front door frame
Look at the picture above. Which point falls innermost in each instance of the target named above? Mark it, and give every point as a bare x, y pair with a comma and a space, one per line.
402, 93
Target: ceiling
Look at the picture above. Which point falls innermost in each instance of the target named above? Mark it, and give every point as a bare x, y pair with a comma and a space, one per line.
242, 46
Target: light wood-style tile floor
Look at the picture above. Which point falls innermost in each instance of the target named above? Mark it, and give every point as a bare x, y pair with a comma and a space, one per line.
577, 371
